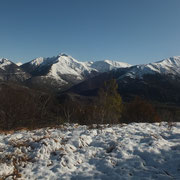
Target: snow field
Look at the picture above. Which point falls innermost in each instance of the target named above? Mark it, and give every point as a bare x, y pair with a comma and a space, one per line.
133, 151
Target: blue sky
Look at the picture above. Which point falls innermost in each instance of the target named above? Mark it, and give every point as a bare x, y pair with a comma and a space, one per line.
134, 31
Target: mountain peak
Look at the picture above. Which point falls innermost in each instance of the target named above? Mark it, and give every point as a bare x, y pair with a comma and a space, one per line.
175, 57
175, 60
63, 54
170, 62
66, 59
166, 66
37, 61
4, 62
51, 60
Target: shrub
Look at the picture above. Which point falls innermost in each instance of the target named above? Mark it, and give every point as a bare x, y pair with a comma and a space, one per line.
22, 107
140, 110
109, 103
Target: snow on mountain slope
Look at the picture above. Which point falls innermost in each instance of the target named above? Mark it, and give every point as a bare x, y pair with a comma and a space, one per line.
41, 61
65, 68
108, 65
68, 65
126, 151
4, 62
166, 66
65, 64
9, 71
170, 65
19, 63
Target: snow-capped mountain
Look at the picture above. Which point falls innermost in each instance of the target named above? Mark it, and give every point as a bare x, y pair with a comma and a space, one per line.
169, 66
158, 81
9, 71
65, 70
65, 64
19, 63
4, 63
108, 65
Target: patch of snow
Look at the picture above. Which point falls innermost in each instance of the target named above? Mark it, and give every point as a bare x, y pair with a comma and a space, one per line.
133, 151
4, 62
108, 65
19, 63
38, 61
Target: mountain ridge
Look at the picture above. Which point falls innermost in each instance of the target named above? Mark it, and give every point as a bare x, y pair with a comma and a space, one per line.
9, 71
63, 71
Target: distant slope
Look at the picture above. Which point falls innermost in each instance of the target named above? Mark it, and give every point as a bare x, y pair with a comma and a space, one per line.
64, 71
166, 66
9, 71
108, 65
158, 81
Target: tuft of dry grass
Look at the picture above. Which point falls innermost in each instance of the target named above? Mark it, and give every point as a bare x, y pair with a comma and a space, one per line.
170, 125
16, 161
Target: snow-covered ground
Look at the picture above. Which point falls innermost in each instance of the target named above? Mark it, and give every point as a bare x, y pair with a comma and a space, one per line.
134, 151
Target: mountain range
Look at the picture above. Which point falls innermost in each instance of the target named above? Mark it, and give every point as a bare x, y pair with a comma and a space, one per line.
64, 73
58, 72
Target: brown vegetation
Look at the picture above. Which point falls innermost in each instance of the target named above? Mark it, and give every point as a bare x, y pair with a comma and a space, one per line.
140, 110
24, 108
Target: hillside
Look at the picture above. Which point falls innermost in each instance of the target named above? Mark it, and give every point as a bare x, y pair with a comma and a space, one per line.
9, 71
157, 82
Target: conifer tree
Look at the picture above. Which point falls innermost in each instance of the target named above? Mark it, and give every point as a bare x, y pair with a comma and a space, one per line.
109, 102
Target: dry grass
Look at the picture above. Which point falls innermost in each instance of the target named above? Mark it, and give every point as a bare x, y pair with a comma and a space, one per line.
16, 160
170, 125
